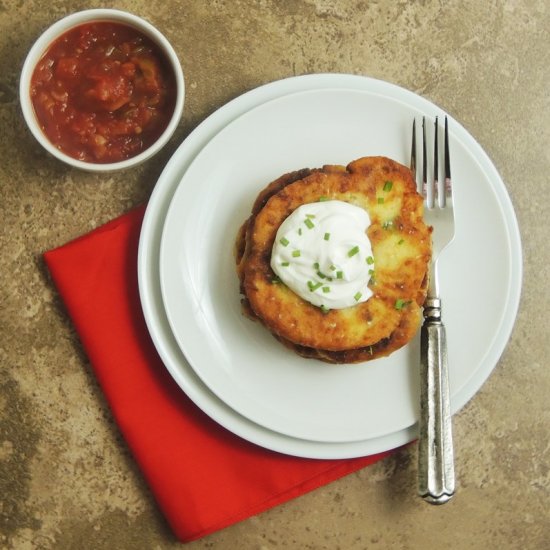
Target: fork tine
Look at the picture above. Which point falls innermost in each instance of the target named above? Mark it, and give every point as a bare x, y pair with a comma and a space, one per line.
448, 195
413, 150
424, 161
436, 166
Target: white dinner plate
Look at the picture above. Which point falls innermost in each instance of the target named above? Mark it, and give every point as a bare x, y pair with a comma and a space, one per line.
238, 360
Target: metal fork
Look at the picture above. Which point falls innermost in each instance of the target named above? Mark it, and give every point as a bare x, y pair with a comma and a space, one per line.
436, 478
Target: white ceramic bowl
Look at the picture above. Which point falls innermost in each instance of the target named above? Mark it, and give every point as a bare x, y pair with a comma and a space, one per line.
58, 29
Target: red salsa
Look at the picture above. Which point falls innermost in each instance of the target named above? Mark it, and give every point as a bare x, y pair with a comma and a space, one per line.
103, 92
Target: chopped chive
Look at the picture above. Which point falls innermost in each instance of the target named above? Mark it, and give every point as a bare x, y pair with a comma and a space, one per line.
316, 265
327, 236
370, 260
284, 241
321, 275
309, 223
324, 309
323, 198
275, 280
339, 274
299, 230
400, 303
285, 264
313, 286
371, 271
353, 251
380, 200
326, 289
388, 185
296, 253
310, 215
332, 267
401, 241
357, 296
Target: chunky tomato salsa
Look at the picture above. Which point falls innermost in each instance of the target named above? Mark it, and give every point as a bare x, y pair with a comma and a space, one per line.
103, 92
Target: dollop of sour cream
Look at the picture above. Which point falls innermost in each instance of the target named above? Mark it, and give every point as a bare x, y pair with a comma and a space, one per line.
322, 252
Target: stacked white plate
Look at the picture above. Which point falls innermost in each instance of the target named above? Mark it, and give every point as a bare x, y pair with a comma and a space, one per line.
232, 368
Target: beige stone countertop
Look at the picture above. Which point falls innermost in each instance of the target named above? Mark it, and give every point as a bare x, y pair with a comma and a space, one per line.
67, 479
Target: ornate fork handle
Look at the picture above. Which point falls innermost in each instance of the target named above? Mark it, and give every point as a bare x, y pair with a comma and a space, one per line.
436, 479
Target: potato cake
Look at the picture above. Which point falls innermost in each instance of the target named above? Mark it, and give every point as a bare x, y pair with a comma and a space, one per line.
401, 246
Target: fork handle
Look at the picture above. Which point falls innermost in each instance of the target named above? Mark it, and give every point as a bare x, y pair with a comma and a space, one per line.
436, 478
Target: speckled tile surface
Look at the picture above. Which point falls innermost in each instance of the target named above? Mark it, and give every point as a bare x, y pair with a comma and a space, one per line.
66, 477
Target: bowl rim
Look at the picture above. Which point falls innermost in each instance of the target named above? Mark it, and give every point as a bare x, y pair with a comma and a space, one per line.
69, 22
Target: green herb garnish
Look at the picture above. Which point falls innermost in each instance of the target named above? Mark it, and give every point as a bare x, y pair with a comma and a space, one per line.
313, 286
353, 251
388, 185
284, 241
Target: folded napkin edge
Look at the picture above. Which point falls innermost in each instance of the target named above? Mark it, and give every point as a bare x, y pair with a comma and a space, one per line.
320, 479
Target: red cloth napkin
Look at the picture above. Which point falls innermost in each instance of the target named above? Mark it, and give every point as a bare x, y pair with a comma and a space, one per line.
203, 477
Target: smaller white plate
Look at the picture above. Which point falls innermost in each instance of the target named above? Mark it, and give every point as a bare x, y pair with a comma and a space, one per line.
238, 359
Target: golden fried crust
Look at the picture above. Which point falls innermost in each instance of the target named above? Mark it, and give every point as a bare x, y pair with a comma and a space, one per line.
401, 245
